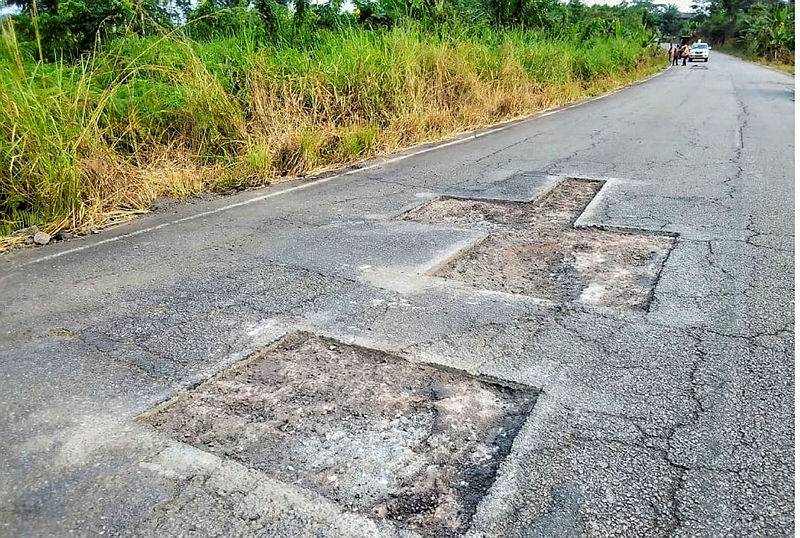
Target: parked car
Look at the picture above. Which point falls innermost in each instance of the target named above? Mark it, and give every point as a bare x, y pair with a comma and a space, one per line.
699, 51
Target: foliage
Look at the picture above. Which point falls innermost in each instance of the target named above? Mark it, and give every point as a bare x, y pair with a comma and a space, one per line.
769, 31
670, 23
69, 27
762, 28
243, 95
209, 21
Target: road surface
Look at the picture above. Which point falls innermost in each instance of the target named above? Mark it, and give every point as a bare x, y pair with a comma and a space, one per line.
675, 419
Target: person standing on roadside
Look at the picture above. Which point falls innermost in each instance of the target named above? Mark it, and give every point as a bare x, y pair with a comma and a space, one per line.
685, 53
676, 52
671, 53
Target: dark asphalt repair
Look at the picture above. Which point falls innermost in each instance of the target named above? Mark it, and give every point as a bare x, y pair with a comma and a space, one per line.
535, 249
408, 442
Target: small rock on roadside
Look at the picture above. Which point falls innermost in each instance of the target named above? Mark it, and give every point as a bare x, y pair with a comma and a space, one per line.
41, 238
30, 231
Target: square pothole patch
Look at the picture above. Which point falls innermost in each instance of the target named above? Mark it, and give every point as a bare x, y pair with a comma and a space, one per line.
535, 249
380, 435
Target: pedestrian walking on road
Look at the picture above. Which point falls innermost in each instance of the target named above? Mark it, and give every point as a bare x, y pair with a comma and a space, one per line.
676, 53
671, 53
685, 53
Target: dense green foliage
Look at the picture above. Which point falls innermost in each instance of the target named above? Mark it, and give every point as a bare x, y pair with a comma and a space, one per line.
56, 28
761, 27
118, 114
67, 28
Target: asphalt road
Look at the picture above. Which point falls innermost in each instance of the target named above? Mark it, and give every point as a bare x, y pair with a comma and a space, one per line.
677, 420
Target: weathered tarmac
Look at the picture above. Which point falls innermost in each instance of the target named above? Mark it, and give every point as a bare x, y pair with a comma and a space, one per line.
672, 416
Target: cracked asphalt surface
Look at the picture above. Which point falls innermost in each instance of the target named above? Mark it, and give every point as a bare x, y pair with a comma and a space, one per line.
674, 421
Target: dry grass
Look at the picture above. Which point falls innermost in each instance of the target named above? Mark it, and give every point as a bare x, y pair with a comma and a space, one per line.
165, 123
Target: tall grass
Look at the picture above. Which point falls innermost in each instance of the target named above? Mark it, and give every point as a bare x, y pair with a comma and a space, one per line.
85, 144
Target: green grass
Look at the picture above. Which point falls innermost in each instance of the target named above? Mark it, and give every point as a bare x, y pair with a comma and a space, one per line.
88, 144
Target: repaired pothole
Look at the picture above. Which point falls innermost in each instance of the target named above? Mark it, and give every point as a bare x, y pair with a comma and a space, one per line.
378, 434
535, 249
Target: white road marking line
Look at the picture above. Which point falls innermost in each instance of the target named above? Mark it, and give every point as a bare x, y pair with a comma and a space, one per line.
320, 181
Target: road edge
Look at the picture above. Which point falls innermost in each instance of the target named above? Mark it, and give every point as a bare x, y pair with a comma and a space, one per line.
321, 177
751, 62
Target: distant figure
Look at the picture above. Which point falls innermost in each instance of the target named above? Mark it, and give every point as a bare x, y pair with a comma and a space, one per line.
685, 53
671, 53
676, 53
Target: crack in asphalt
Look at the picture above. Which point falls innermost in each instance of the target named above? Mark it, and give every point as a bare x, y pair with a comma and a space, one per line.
554, 167
509, 146
742, 120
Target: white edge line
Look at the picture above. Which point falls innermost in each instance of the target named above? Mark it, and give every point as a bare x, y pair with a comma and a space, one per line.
320, 181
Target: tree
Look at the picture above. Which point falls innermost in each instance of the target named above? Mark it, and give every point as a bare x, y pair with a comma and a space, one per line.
670, 23
71, 27
770, 31
210, 20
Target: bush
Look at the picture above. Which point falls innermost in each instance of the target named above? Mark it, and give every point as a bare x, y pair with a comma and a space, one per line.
210, 22
68, 28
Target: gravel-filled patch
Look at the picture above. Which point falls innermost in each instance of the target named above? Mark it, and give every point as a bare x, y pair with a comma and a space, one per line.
380, 435
535, 249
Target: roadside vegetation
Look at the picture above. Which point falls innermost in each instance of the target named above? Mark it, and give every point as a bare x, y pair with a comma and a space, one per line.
108, 105
761, 30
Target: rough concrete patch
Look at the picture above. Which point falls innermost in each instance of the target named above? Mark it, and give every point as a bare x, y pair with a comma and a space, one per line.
535, 249
382, 436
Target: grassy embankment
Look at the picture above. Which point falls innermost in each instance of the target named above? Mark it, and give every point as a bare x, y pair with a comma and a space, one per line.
752, 57
83, 145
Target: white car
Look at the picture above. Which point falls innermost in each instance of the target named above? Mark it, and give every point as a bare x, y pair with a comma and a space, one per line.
699, 51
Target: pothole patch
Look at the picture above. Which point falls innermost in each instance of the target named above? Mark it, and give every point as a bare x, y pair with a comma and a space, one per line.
378, 434
535, 249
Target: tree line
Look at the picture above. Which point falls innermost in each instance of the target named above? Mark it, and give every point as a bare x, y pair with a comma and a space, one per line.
57, 29
762, 27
